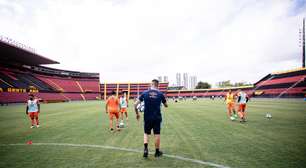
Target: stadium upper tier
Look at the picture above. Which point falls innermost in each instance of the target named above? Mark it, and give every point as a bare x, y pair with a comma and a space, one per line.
28, 79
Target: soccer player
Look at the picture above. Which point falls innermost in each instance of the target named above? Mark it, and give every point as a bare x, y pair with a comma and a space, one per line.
112, 108
242, 100
32, 110
123, 108
230, 102
152, 116
235, 104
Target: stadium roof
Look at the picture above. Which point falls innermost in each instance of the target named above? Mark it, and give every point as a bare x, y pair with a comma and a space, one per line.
289, 71
13, 53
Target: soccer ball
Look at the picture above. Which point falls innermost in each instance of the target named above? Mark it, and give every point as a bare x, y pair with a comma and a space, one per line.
268, 116
232, 118
121, 125
140, 107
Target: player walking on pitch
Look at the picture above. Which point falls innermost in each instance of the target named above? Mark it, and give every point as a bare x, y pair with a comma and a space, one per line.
242, 100
123, 108
230, 103
112, 108
152, 99
32, 110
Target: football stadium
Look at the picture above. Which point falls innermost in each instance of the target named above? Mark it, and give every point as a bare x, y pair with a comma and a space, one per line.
51, 117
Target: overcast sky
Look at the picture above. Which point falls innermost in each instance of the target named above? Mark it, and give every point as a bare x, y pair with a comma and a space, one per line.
137, 40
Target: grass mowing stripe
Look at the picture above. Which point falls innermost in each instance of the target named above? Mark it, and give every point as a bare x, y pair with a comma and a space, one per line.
120, 149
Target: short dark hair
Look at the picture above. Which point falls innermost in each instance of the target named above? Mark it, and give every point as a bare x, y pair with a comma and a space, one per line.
31, 95
155, 81
113, 92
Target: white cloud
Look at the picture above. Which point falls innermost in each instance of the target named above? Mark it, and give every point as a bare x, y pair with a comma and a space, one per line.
137, 40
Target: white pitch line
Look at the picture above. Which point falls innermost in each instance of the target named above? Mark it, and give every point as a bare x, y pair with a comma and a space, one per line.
120, 149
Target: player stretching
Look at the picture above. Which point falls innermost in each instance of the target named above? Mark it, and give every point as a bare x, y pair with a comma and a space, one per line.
242, 100
123, 108
112, 108
230, 102
152, 116
33, 109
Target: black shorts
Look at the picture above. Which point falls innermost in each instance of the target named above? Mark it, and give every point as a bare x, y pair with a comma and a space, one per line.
152, 124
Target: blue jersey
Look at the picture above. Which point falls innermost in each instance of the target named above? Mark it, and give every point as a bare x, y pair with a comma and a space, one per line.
152, 99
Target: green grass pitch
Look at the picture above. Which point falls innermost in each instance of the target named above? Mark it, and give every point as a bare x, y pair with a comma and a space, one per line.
192, 129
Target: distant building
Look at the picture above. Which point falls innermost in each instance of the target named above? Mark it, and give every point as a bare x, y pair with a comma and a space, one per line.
166, 79
160, 78
192, 82
178, 79
185, 80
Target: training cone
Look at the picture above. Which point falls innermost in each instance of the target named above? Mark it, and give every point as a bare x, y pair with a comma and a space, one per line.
29, 142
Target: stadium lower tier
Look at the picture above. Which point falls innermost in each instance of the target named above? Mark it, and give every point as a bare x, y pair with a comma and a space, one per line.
11, 97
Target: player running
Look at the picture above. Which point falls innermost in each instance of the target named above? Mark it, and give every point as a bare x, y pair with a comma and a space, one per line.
152, 99
123, 108
230, 102
242, 100
112, 108
32, 110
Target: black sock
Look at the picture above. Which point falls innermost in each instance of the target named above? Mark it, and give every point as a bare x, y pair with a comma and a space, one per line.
156, 150
146, 145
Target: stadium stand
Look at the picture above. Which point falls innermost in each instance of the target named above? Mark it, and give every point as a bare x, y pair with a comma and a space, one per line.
12, 97
216, 92
18, 79
287, 84
71, 84
89, 85
60, 83
21, 73
133, 89
282, 84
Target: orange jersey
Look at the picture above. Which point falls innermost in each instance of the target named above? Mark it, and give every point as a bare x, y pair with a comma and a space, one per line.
112, 104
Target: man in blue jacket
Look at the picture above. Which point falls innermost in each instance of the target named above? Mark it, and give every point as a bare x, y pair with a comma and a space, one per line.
152, 99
